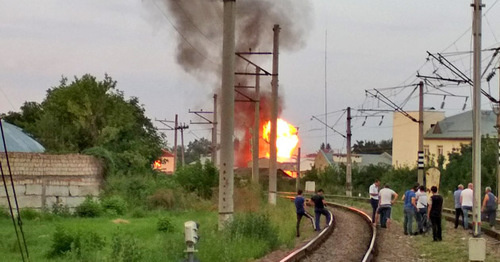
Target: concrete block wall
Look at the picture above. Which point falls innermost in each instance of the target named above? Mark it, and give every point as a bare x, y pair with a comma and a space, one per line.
40, 180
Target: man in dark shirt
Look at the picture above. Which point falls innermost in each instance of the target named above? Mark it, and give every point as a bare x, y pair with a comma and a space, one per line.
319, 208
434, 214
300, 207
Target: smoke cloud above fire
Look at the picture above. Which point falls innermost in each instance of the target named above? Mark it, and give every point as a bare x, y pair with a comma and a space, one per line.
199, 48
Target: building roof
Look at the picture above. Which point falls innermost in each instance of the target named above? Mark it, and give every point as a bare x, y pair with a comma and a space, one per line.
460, 126
375, 159
18, 141
366, 159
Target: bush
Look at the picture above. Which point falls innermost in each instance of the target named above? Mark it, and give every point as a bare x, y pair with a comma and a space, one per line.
30, 214
198, 178
80, 244
89, 208
254, 225
163, 198
125, 248
138, 212
164, 225
61, 242
114, 205
61, 210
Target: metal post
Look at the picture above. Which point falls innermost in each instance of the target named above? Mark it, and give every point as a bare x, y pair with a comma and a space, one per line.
214, 133
256, 129
348, 173
420, 159
476, 139
274, 119
175, 143
297, 179
226, 172
182, 145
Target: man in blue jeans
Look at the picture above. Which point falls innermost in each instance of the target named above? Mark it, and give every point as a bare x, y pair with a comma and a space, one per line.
373, 190
300, 208
410, 207
319, 208
386, 199
466, 200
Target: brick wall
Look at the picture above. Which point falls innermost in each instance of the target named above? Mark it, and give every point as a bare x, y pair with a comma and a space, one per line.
42, 179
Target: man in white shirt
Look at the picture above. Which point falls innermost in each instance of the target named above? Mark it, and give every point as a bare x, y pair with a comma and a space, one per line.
466, 200
387, 197
374, 198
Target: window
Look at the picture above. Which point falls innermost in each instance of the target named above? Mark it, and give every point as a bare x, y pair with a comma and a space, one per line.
440, 150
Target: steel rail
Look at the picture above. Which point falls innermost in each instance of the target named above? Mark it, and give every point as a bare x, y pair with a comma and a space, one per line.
311, 245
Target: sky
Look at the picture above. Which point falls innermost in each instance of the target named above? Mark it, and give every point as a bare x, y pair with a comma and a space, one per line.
369, 44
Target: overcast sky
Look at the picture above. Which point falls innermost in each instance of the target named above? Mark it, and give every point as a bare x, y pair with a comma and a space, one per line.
371, 44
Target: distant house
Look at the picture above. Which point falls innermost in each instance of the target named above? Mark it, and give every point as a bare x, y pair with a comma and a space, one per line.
405, 136
447, 136
324, 159
166, 163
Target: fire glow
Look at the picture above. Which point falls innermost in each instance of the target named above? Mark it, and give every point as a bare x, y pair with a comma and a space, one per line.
286, 141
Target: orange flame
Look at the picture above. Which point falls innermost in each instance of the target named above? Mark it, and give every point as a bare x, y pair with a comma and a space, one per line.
157, 164
287, 139
292, 174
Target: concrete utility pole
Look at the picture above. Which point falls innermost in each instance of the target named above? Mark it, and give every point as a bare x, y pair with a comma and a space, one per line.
420, 160
256, 129
214, 133
175, 142
476, 139
348, 173
226, 171
498, 139
182, 142
274, 119
297, 179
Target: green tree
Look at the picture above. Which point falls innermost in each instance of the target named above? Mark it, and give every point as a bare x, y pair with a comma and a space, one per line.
196, 149
88, 113
459, 168
372, 147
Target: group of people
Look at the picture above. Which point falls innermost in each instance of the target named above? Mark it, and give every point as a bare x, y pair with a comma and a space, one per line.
416, 204
319, 203
464, 199
427, 211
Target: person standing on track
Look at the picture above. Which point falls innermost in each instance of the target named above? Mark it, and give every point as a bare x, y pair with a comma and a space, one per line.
300, 207
410, 206
434, 214
421, 197
386, 197
490, 207
466, 198
374, 199
319, 208
458, 206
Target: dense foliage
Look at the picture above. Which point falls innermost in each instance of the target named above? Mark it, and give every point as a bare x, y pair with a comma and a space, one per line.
88, 113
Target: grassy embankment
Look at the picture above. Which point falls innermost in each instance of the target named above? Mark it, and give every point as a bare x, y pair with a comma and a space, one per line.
141, 240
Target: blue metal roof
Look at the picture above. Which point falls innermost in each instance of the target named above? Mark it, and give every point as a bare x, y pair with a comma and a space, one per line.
18, 141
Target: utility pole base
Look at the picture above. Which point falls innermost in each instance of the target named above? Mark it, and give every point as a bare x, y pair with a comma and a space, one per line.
272, 198
225, 219
477, 249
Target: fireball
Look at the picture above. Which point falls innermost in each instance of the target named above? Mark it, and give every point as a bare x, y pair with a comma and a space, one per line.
286, 141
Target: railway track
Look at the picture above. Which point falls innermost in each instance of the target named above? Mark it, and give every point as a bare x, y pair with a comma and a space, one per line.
341, 241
